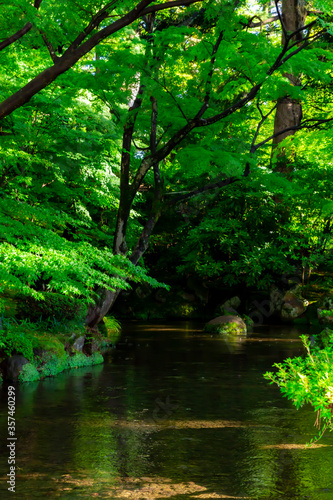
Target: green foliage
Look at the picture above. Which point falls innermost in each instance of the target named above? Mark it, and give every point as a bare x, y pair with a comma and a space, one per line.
23, 337
309, 380
15, 340
55, 306
80, 359
29, 373
110, 328
326, 314
61, 153
52, 365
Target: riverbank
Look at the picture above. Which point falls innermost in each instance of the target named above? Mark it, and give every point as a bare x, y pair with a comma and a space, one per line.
32, 351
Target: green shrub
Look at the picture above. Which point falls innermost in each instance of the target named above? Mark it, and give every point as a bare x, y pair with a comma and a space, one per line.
29, 373
96, 358
54, 366
57, 306
80, 359
13, 339
309, 379
8, 306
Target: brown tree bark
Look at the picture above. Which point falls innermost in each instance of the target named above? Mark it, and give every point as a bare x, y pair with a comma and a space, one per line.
288, 111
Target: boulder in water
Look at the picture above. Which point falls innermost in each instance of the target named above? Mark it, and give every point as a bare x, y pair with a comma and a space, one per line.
232, 325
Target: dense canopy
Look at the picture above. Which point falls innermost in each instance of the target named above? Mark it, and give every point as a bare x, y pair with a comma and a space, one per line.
119, 116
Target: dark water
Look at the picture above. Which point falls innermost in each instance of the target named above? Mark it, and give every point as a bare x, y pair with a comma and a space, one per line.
174, 414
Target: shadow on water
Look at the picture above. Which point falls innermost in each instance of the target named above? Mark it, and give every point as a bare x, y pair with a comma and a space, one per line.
171, 414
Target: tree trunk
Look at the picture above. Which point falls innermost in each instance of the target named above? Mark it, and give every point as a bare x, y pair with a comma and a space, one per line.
96, 312
288, 111
128, 192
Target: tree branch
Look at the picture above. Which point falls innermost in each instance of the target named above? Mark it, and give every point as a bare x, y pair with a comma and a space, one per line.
94, 23
20, 33
155, 212
50, 48
169, 5
212, 63
284, 30
195, 192
262, 121
75, 53
306, 124
251, 24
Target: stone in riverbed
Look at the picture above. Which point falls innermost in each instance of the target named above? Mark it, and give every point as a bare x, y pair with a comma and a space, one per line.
232, 325
293, 305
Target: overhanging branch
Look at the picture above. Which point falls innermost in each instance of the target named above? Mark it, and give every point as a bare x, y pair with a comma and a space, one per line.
20, 33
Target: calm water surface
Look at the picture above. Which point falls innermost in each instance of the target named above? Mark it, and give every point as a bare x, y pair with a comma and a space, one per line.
172, 414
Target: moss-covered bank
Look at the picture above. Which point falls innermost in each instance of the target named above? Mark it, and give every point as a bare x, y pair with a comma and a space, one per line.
32, 349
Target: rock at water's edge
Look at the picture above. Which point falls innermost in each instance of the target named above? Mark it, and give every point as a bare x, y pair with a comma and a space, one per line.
233, 325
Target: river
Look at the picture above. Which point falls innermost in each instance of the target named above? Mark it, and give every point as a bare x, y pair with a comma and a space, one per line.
172, 414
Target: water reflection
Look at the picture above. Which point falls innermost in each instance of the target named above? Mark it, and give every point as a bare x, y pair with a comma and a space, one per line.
173, 414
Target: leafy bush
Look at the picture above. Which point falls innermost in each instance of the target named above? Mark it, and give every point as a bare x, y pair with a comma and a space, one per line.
110, 328
309, 379
23, 337
54, 305
80, 359
54, 366
326, 315
14, 339
29, 373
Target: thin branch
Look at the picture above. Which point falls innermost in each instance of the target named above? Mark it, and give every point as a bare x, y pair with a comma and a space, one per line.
285, 32
308, 38
262, 121
251, 24
303, 125
138, 147
162, 135
205, 105
173, 98
50, 48
94, 23
212, 63
169, 5
299, 30
195, 192
307, 42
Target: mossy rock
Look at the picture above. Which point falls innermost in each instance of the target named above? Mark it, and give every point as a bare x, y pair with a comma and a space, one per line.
226, 325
